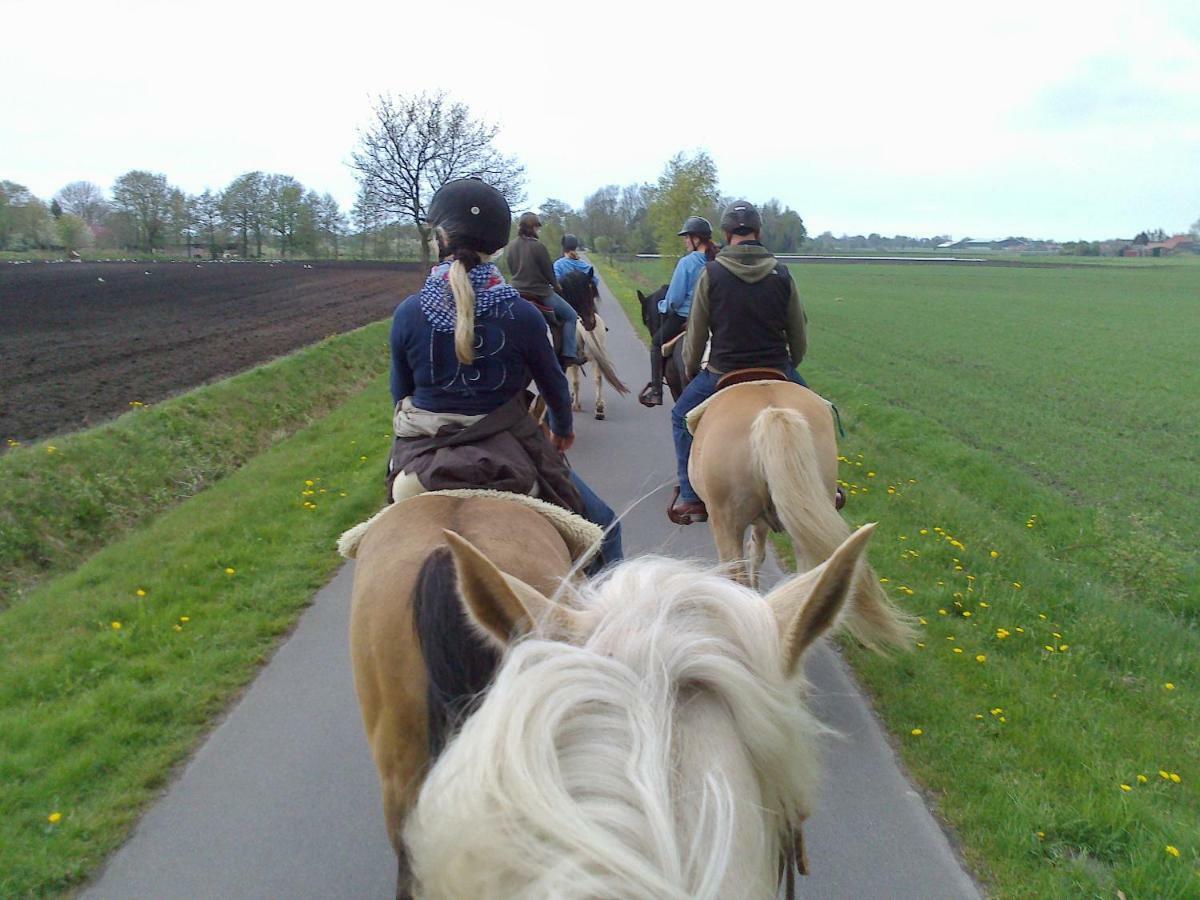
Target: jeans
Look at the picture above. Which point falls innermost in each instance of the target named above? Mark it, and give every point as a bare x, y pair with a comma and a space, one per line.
563, 310
600, 513
703, 386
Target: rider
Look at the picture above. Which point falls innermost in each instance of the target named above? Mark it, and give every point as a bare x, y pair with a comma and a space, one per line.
675, 306
747, 301
532, 274
570, 263
463, 351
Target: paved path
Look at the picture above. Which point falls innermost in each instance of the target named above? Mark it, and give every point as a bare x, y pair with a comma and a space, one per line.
282, 801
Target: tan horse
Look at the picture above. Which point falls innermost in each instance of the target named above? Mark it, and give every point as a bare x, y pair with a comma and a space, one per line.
401, 556
595, 344
764, 458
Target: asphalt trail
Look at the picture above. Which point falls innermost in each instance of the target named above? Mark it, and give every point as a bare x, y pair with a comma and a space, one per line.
282, 801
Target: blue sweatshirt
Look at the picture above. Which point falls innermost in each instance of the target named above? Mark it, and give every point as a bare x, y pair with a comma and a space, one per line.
511, 348
683, 284
565, 264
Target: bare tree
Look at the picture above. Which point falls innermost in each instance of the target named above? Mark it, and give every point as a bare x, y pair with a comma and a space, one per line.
209, 219
284, 200
243, 207
145, 197
85, 200
416, 144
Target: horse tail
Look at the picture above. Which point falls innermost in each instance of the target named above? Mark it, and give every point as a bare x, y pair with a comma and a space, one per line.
595, 350
459, 663
782, 445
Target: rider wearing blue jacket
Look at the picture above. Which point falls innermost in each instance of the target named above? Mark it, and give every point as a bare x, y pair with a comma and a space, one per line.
677, 304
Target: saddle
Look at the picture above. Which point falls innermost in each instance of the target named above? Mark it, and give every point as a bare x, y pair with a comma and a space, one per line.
741, 376
555, 326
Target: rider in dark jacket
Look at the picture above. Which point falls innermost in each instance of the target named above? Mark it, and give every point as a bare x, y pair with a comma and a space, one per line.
747, 304
466, 347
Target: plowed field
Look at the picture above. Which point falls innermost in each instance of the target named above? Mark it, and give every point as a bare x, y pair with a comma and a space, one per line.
80, 342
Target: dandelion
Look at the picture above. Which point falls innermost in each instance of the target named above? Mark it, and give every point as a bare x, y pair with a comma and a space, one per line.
966, 614
1041, 835
116, 626
1142, 779
1002, 633
1020, 630
917, 732
1042, 616
996, 711
995, 554
1175, 777
51, 449
1126, 788
922, 620
54, 818
1173, 851
1048, 647
924, 531
362, 459
920, 645
1168, 686
884, 580
870, 474
140, 592
308, 482
1016, 585
981, 658
1063, 648
1164, 774
978, 715
984, 604
185, 619
942, 612
177, 627
230, 570
958, 649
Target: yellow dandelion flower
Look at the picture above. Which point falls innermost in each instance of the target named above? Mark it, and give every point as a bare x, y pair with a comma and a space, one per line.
1175, 777
1173, 851
51, 449
922, 620
996, 711
1063, 648
116, 626
995, 554
54, 818
1056, 634
978, 715
924, 531
917, 732
308, 482
1002, 633
1003, 720
966, 614
920, 645
984, 604
981, 658
1126, 788
1168, 686
362, 459
1048, 647
1041, 835
942, 612
1164, 774
1041, 615
958, 649
1017, 585
870, 474
230, 570
140, 592
177, 627
884, 580
185, 618
1020, 630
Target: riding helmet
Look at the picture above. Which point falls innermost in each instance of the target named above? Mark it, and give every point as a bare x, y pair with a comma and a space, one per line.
473, 214
570, 242
529, 220
741, 217
696, 225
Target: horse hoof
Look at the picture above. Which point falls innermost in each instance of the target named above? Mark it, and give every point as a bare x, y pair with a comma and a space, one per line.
600, 414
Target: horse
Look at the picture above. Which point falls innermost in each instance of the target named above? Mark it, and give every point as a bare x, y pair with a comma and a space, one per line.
646, 737
579, 291
764, 458
402, 643
672, 361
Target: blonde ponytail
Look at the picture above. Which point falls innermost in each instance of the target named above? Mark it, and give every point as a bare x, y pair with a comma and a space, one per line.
464, 303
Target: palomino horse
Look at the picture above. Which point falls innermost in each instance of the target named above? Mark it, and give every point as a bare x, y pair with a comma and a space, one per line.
582, 295
401, 643
764, 458
647, 739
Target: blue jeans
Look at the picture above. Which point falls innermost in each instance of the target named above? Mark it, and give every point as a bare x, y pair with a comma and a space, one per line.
563, 310
699, 389
600, 513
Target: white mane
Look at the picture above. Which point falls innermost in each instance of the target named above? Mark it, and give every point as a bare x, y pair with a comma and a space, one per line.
662, 758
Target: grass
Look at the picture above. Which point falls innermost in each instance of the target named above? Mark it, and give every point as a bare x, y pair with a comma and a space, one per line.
1042, 414
63, 498
110, 674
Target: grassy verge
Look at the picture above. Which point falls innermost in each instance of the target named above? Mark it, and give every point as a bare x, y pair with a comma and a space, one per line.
1032, 468
63, 498
109, 674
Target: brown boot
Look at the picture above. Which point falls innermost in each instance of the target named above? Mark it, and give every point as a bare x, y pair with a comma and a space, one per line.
683, 512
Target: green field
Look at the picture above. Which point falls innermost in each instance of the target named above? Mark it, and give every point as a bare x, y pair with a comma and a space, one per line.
1027, 439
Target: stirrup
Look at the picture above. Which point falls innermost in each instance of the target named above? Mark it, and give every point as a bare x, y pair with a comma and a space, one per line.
649, 397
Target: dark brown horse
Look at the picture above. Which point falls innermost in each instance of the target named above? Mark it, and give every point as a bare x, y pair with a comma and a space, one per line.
672, 361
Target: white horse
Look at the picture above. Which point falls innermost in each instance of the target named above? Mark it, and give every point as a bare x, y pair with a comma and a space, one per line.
595, 344
646, 740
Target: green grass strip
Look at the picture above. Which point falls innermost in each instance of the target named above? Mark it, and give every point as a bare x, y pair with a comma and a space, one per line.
62, 499
110, 674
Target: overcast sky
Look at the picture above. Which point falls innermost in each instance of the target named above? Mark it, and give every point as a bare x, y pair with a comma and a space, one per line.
1060, 120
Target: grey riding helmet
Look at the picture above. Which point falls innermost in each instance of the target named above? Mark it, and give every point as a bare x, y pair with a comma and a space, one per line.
741, 217
472, 213
696, 225
570, 242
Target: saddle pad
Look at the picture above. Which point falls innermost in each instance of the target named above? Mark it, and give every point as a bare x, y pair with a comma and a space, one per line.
693, 417
581, 536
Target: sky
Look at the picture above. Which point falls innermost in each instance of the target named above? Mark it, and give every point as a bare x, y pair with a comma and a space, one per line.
1057, 120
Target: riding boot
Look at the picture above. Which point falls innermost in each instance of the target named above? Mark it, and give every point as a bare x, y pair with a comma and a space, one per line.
651, 394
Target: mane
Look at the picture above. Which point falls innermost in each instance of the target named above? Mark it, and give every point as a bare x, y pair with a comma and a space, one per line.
565, 782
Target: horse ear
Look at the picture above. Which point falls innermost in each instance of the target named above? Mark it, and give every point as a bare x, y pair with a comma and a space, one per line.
641, 297
805, 606
504, 607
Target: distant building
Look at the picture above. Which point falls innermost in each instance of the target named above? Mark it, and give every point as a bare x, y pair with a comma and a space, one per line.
1180, 243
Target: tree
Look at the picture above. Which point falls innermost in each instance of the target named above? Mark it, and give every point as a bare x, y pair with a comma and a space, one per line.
602, 216
331, 223
784, 230
145, 198
73, 232
243, 207
210, 220
85, 200
56, 209
182, 219
25, 222
687, 187
416, 144
284, 198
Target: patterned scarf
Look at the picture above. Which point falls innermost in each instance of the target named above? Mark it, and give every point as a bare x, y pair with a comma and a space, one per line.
437, 302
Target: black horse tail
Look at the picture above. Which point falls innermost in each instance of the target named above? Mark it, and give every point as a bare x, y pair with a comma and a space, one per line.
459, 663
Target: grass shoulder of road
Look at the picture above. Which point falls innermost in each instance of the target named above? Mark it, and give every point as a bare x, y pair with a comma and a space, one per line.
110, 674
63, 498
1027, 462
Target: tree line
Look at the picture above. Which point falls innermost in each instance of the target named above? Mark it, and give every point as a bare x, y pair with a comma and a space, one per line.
257, 212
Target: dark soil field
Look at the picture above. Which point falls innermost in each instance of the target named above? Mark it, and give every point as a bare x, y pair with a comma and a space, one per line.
80, 342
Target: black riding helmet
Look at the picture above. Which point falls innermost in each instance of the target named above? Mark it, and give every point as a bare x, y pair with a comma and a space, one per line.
473, 215
570, 242
741, 217
696, 225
